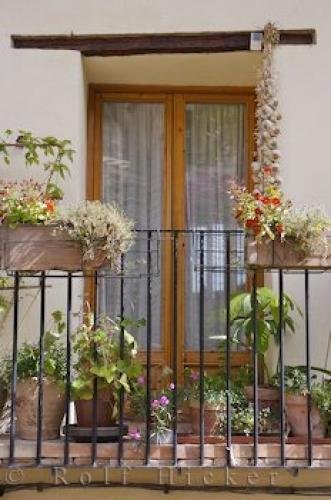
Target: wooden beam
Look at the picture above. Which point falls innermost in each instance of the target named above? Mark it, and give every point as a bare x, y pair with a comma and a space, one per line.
120, 45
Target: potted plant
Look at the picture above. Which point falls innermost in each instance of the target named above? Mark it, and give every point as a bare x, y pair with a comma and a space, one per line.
98, 360
296, 402
242, 416
161, 408
27, 392
267, 320
214, 401
35, 235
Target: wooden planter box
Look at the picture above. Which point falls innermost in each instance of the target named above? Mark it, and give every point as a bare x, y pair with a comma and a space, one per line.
42, 248
270, 254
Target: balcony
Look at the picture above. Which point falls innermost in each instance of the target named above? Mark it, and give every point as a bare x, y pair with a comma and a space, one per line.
206, 408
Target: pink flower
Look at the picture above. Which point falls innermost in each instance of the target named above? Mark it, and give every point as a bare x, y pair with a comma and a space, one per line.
135, 434
164, 401
155, 403
194, 376
171, 386
141, 380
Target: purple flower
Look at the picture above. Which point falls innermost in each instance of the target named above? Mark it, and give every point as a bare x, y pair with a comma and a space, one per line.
164, 401
141, 380
171, 386
135, 434
194, 376
155, 403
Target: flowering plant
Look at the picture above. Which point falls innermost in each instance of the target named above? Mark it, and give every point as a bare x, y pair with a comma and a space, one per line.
161, 404
99, 226
269, 214
25, 203
261, 212
161, 412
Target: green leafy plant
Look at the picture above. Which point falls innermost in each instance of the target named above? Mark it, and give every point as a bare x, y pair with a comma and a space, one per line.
214, 387
52, 154
267, 318
28, 356
98, 356
321, 397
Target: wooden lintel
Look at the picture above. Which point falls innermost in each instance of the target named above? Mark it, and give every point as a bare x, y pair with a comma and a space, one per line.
119, 45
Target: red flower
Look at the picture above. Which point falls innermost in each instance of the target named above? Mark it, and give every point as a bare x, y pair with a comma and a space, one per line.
267, 169
265, 200
275, 201
50, 205
258, 211
257, 196
253, 224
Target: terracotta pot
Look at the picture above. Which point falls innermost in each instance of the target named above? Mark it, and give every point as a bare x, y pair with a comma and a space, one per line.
269, 254
268, 397
297, 414
41, 248
27, 409
211, 417
105, 405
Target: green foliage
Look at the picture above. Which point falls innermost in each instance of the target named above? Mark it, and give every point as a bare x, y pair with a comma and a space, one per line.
52, 154
321, 397
214, 387
98, 351
267, 317
28, 356
5, 282
295, 382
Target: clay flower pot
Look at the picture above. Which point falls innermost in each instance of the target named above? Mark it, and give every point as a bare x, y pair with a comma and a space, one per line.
211, 417
41, 248
105, 405
297, 414
27, 409
284, 255
268, 397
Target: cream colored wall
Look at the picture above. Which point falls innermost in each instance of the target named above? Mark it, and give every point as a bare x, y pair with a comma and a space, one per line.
45, 90
140, 494
238, 69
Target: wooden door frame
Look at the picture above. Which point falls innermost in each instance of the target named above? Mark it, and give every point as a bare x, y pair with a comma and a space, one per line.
174, 98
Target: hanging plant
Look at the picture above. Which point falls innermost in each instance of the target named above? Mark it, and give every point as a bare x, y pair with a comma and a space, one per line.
265, 213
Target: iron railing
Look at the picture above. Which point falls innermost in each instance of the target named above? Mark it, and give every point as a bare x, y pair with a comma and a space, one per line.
214, 263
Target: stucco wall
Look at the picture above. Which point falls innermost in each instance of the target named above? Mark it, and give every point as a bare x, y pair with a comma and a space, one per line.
45, 91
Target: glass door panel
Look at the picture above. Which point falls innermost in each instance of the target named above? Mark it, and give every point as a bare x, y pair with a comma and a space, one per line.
132, 171
215, 152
